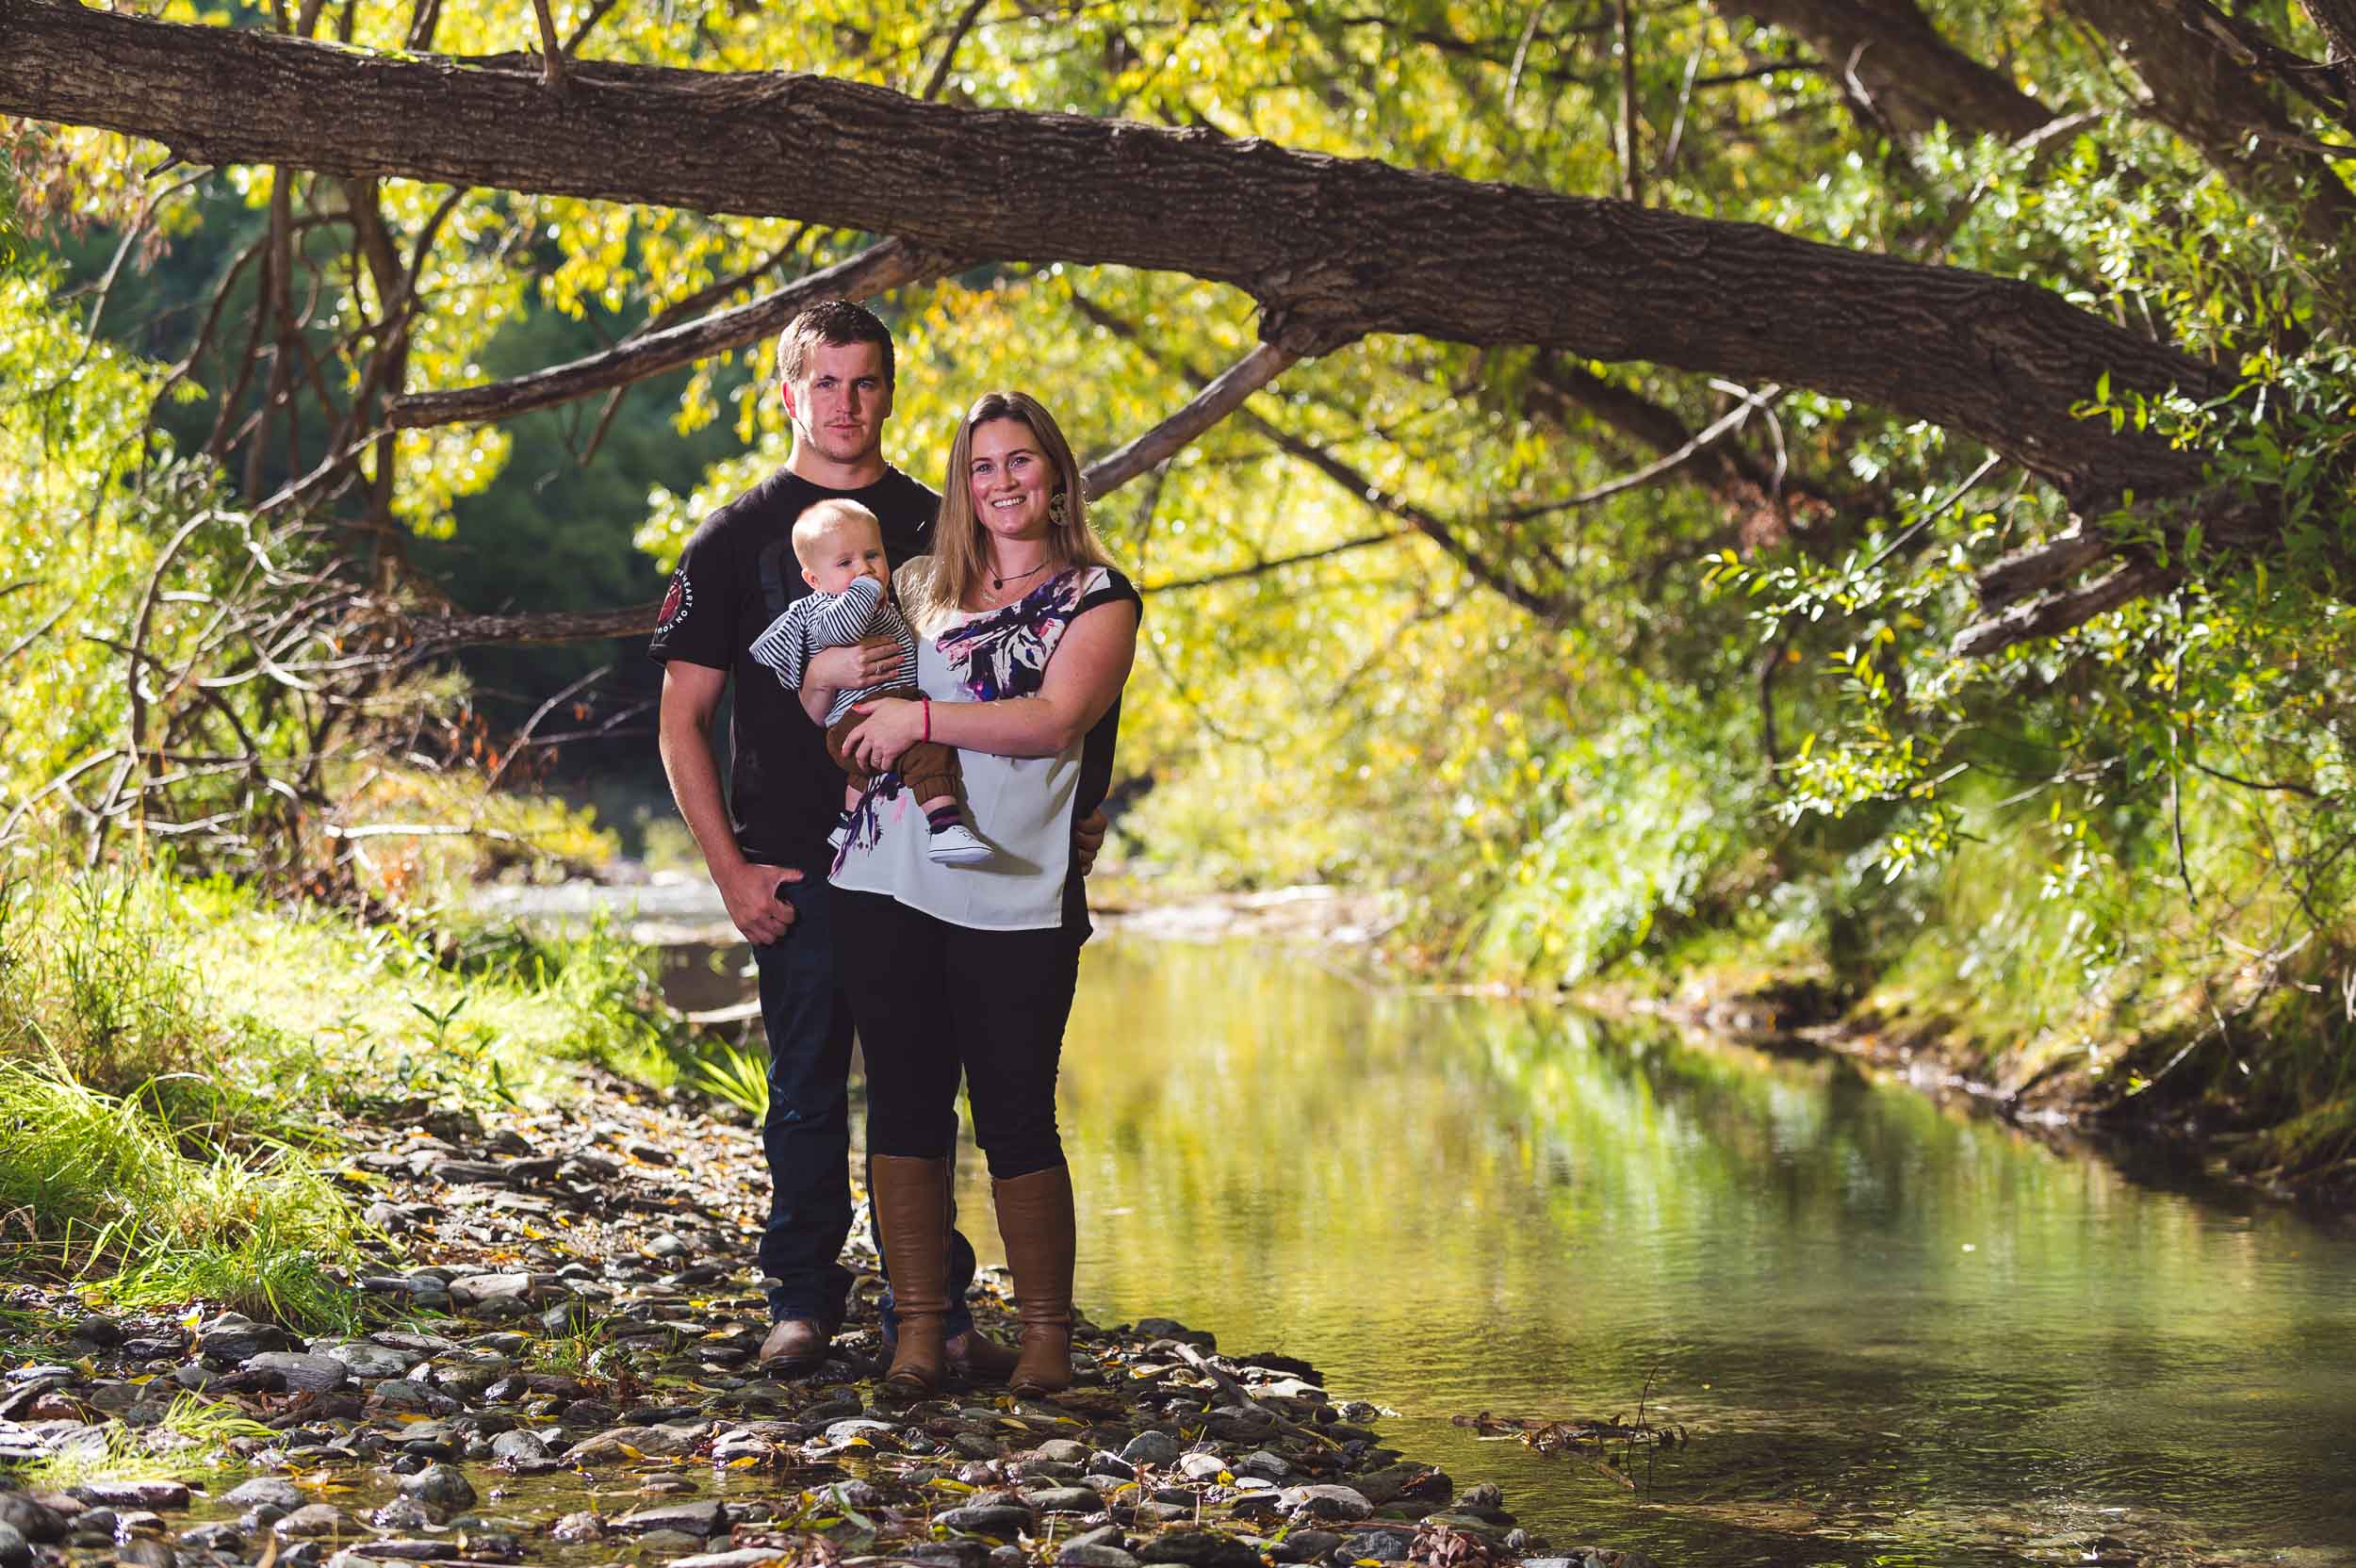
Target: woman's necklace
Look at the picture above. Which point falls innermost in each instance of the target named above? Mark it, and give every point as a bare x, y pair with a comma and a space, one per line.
997, 583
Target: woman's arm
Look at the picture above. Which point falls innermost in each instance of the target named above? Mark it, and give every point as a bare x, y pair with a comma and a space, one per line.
1089, 667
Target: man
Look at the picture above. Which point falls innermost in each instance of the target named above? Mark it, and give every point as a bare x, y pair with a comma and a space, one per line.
767, 847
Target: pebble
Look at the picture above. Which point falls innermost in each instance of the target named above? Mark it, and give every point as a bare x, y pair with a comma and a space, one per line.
315, 1519
1152, 1448
275, 1490
666, 1408
1325, 1502
1378, 1545
303, 1373
992, 1519
1199, 1549
225, 1539
1083, 1555
369, 1363
521, 1446
134, 1494
232, 1339
700, 1520
440, 1486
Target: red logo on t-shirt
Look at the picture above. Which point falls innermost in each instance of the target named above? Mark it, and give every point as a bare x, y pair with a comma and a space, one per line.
676, 603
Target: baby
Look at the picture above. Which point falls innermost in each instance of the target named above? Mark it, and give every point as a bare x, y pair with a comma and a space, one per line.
840, 544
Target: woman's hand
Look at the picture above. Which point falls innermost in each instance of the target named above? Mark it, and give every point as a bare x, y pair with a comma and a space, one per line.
891, 726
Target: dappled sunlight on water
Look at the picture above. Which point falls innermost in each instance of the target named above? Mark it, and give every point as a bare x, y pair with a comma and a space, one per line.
1897, 1332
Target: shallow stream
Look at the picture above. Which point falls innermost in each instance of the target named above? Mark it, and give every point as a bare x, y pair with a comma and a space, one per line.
1896, 1332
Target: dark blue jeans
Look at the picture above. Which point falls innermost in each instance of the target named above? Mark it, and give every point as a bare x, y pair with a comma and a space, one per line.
807, 1136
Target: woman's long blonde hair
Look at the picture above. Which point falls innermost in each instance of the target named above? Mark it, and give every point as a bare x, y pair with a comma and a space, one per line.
961, 552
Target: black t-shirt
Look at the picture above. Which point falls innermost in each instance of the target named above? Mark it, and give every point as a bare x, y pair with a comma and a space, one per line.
736, 575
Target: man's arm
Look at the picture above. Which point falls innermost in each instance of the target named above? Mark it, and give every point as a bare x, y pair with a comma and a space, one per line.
691, 695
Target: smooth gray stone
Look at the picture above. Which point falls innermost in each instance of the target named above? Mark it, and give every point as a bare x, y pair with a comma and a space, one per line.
314, 1519
1199, 1549
1064, 1499
1062, 1450
743, 1556
1309, 1546
276, 1491
118, 1493
1157, 1448
703, 1520
232, 1338
442, 1486
476, 1289
1326, 1502
519, 1445
303, 1373
225, 1539
1095, 1557
995, 1519
369, 1362
1201, 1466
15, 1551
145, 1551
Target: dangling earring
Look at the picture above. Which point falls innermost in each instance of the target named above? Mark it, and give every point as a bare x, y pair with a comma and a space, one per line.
1058, 512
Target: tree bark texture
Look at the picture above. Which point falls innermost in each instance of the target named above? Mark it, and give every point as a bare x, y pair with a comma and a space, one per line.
2199, 91
1913, 77
1331, 248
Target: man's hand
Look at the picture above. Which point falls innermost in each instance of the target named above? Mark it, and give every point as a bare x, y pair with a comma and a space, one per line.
756, 904
856, 664
1087, 837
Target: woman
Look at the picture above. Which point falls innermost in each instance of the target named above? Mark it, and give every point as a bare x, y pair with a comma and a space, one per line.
1025, 637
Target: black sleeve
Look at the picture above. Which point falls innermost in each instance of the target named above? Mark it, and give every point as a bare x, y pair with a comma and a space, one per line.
1114, 589
699, 616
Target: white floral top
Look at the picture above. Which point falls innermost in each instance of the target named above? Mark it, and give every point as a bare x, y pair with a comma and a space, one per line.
1022, 806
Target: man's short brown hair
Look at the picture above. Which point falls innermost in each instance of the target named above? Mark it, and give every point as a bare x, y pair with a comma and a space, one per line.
834, 323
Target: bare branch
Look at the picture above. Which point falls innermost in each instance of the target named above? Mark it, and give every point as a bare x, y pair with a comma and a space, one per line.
893, 264
940, 79
1261, 568
552, 52
1214, 402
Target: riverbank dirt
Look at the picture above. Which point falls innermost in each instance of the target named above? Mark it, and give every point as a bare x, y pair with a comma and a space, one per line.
556, 1363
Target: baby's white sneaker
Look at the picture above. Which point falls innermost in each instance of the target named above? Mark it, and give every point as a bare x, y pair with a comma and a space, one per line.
956, 846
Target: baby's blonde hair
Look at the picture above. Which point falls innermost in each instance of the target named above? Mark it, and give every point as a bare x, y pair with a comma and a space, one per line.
822, 518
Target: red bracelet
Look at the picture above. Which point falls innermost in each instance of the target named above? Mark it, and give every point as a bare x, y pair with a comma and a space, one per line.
928, 716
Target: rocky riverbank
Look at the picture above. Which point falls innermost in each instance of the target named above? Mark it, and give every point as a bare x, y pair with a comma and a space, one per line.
555, 1364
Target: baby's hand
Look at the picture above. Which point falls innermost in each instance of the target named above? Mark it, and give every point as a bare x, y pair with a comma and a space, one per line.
870, 663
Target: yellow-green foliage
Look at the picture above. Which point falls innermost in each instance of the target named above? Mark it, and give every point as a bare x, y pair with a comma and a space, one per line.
173, 1054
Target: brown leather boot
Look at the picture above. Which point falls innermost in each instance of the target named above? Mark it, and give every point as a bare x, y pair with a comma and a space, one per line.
912, 1199
1036, 1223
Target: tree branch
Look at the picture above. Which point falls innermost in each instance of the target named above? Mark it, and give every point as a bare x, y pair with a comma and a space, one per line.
1313, 238
1217, 400
1261, 568
2053, 616
878, 270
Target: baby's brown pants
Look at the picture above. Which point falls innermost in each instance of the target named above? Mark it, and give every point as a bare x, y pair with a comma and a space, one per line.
927, 768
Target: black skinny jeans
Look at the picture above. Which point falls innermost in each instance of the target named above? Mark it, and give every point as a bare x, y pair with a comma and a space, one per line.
935, 1001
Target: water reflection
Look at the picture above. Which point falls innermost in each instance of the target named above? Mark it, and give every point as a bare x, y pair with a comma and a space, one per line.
1897, 1332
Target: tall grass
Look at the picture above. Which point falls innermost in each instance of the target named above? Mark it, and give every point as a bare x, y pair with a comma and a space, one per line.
172, 1050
